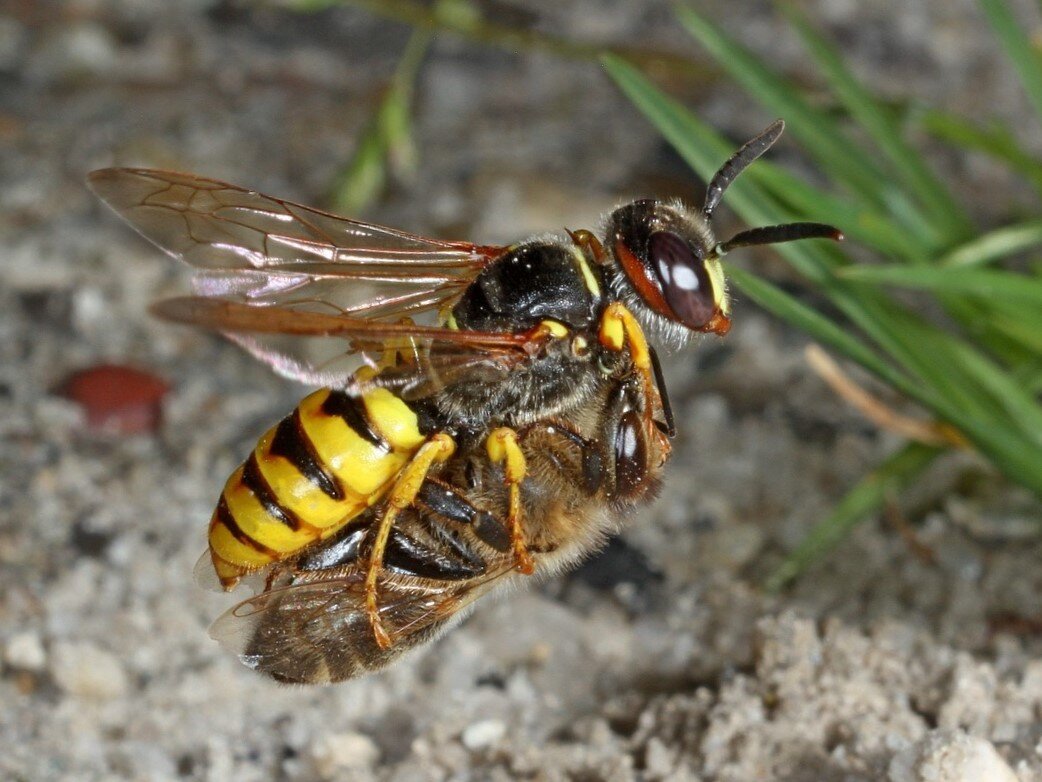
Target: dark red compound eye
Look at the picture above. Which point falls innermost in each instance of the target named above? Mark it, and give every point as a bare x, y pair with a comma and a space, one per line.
685, 283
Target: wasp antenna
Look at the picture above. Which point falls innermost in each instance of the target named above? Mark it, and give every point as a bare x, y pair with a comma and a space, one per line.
774, 234
738, 162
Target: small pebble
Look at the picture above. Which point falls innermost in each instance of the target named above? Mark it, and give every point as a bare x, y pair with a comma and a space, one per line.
25, 652
335, 753
483, 734
117, 399
950, 756
84, 670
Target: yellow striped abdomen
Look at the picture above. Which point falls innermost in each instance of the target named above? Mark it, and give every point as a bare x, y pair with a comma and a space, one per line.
322, 465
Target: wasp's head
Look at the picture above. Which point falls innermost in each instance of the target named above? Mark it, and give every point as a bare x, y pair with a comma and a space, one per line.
667, 256
668, 259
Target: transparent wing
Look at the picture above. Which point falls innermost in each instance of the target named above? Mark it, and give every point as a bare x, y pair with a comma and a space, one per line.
253, 247
307, 292
318, 632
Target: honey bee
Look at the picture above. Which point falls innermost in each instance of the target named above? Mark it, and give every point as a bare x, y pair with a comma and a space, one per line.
486, 413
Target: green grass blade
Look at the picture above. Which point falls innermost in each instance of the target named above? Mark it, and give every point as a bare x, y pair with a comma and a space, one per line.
977, 282
995, 245
898, 333
860, 222
886, 480
1023, 325
788, 308
1018, 48
995, 141
878, 122
817, 130
937, 370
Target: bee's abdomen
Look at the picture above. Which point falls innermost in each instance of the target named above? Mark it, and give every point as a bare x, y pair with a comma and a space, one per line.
322, 465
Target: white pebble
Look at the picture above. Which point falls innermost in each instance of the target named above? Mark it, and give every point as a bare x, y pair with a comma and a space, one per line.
950, 756
84, 670
481, 735
338, 752
25, 652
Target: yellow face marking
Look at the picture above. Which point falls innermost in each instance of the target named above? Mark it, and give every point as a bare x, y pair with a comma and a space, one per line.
716, 276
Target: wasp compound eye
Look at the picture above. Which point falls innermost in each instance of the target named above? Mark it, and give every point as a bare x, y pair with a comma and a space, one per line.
682, 275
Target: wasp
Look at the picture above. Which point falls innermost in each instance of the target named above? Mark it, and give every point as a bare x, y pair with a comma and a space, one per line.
485, 413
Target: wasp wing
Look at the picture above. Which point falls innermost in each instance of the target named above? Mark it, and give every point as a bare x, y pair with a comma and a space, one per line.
281, 279
426, 358
247, 245
318, 632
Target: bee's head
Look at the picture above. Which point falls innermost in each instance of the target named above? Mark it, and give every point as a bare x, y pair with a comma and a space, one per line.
670, 260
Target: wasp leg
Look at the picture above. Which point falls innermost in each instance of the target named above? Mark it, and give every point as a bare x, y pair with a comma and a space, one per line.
619, 329
407, 485
502, 446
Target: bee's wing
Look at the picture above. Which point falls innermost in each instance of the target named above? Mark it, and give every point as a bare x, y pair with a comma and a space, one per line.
318, 632
253, 247
281, 279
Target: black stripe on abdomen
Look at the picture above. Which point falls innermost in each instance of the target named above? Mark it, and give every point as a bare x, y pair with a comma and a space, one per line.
291, 442
223, 515
254, 480
352, 410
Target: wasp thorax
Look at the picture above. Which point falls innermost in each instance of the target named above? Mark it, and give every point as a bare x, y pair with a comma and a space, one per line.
666, 255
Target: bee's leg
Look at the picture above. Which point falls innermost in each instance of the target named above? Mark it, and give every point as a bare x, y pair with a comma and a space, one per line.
442, 499
620, 330
502, 446
407, 485
591, 454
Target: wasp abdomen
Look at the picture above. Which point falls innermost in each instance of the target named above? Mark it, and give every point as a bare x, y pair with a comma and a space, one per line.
318, 468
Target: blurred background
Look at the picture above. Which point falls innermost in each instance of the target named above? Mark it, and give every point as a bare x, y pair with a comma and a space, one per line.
824, 590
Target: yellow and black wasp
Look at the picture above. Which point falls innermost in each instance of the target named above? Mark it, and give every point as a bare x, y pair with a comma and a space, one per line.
486, 412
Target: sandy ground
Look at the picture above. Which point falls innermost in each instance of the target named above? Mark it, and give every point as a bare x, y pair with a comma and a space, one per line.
662, 659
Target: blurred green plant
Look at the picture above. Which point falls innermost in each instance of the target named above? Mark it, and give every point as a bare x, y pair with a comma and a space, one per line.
386, 147
979, 373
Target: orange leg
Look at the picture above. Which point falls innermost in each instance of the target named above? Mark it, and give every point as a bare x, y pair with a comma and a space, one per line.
502, 446
439, 448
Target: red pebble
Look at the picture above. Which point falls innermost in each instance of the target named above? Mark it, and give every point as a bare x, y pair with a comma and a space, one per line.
117, 399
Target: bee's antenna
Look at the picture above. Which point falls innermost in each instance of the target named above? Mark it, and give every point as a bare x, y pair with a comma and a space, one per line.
773, 234
737, 163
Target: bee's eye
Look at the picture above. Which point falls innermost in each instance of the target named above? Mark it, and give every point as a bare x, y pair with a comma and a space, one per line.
685, 283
